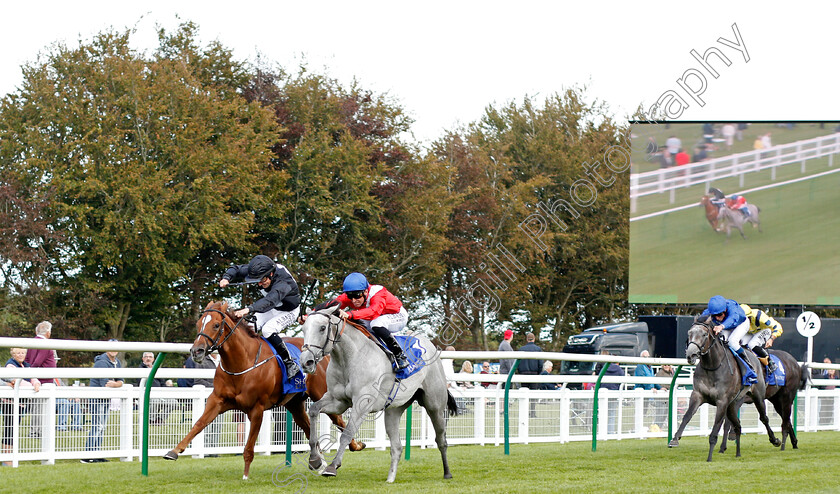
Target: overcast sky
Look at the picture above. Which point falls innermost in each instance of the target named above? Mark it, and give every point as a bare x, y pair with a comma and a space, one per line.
445, 61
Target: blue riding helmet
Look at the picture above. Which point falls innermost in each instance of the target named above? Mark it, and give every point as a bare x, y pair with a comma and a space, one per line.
717, 304
733, 197
355, 282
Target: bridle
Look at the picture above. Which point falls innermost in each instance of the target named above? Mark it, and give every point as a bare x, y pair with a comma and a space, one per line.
333, 337
709, 338
215, 344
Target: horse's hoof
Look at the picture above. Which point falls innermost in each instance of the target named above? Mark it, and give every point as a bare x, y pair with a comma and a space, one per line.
330, 471
361, 445
244, 477
447, 475
776, 443
315, 464
673, 444
172, 455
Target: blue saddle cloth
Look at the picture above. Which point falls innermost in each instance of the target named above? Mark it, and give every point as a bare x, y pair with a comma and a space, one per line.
297, 384
413, 353
776, 378
748, 376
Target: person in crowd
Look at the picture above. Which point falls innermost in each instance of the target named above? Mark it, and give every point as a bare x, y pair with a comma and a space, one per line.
485, 369
673, 145
666, 159
99, 407
530, 367
279, 306
548, 366
652, 147
160, 408
662, 405
728, 133
40, 359
466, 372
448, 367
68, 411
505, 364
700, 154
612, 409
375, 307
17, 360
762, 333
644, 370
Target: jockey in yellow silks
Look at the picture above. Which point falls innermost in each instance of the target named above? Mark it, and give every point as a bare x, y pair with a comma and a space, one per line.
763, 331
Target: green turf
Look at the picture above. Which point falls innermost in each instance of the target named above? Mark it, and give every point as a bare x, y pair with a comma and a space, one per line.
677, 257
629, 465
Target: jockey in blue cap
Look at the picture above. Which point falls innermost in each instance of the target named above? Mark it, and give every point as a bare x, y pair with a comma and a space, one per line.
731, 320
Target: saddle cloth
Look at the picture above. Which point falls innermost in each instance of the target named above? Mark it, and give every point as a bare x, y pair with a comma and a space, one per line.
413, 353
748, 376
777, 378
297, 384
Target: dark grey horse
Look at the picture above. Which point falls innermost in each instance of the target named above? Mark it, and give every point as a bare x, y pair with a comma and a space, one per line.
717, 381
730, 218
796, 377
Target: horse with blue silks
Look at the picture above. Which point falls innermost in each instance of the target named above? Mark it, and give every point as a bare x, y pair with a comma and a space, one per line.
251, 378
719, 381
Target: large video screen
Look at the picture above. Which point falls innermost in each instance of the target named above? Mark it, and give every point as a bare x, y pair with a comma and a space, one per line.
747, 210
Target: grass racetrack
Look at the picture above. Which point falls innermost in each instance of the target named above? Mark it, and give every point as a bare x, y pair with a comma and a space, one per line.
677, 257
628, 465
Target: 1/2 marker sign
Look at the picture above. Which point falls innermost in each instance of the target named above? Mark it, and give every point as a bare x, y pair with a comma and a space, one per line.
808, 324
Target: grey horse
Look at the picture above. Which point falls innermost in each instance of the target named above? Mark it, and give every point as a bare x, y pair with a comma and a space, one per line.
360, 376
717, 381
730, 218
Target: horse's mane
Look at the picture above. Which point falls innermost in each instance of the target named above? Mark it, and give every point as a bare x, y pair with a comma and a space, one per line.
360, 327
223, 307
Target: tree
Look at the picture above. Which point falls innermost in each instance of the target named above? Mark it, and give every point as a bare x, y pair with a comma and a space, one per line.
148, 163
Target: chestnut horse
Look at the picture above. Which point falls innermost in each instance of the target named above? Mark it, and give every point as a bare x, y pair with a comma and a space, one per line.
243, 383
711, 211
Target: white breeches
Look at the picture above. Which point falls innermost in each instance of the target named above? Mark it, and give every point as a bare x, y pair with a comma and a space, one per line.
276, 321
756, 339
733, 338
394, 323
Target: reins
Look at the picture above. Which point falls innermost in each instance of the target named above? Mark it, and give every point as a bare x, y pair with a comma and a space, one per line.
217, 345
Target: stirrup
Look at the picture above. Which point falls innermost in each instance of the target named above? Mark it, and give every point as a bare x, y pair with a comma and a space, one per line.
292, 368
771, 365
401, 362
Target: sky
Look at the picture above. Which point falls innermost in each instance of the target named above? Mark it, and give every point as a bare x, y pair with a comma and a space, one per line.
444, 62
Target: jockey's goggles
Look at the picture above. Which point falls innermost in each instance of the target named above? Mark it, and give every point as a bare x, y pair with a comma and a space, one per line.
355, 294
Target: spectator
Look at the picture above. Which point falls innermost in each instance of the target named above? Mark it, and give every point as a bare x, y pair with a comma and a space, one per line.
662, 405
612, 404
827, 402
68, 411
159, 408
673, 145
829, 373
757, 144
547, 368
448, 367
682, 158
505, 364
485, 369
98, 407
700, 154
666, 159
531, 367
40, 358
652, 147
644, 370
728, 133
186, 404
739, 133
17, 360
466, 372
708, 132
766, 142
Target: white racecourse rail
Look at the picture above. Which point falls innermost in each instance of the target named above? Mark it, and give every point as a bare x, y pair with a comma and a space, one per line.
560, 415
734, 165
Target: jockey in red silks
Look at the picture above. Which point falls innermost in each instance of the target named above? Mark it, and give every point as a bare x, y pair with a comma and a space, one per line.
374, 306
736, 201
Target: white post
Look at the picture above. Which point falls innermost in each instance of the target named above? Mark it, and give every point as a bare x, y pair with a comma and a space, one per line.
380, 434
264, 436
48, 427
127, 425
639, 425
480, 411
524, 416
197, 409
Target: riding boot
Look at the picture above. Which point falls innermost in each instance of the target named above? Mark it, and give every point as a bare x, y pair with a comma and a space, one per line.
743, 356
764, 358
392, 345
291, 367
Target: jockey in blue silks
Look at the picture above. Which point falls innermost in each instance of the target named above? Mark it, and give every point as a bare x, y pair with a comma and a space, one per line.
731, 320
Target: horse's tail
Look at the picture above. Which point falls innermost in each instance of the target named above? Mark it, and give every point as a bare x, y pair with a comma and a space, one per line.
804, 377
451, 404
